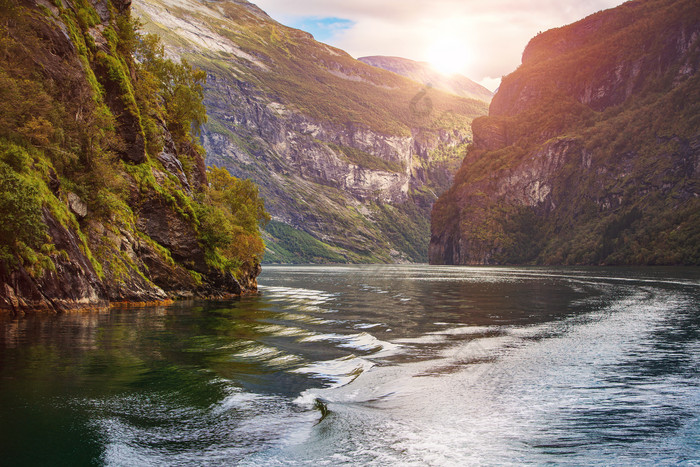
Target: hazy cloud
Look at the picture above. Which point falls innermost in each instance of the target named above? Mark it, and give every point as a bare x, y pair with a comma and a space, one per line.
493, 33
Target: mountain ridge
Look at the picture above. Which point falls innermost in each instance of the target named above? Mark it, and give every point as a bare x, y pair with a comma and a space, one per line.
423, 73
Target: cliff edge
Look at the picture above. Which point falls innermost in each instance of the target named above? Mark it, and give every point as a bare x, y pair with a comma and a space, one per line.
104, 194
591, 150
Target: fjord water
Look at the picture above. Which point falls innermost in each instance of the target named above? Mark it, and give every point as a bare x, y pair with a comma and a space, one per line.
390, 365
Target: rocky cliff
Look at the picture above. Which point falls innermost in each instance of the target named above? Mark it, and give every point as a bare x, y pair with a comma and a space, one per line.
103, 193
591, 150
425, 74
349, 158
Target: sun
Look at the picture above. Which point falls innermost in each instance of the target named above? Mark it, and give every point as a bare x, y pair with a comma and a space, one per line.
448, 56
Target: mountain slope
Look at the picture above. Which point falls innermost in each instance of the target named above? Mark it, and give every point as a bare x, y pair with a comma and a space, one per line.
591, 151
425, 74
104, 195
349, 158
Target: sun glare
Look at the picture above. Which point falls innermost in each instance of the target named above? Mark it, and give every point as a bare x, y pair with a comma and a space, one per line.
448, 56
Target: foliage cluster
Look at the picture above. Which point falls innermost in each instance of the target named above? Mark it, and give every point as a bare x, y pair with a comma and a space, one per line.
230, 219
178, 87
20, 206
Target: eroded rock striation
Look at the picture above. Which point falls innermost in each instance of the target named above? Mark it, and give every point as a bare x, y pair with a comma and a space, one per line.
591, 150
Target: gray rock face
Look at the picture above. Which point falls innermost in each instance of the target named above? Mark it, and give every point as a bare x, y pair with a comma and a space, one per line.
308, 181
168, 229
290, 143
168, 157
530, 184
74, 282
77, 205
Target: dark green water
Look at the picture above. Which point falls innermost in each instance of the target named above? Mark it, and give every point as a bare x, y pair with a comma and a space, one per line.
393, 365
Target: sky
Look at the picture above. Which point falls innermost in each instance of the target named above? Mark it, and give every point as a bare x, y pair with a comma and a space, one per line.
481, 39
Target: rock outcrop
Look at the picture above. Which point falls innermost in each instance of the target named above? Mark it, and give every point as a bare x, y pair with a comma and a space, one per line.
590, 151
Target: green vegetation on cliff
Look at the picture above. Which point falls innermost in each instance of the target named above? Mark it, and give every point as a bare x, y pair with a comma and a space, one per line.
95, 130
289, 245
590, 152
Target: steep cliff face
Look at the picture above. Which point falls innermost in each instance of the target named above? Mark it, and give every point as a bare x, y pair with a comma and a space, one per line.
425, 74
591, 151
100, 202
349, 158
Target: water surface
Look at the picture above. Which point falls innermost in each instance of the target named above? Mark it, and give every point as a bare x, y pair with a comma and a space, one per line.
390, 365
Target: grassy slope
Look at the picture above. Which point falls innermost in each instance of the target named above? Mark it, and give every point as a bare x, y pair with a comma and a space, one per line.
300, 71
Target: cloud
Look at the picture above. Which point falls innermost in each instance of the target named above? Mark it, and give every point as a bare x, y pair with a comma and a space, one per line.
494, 33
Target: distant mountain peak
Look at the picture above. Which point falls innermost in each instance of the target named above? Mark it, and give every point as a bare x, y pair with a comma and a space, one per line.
424, 73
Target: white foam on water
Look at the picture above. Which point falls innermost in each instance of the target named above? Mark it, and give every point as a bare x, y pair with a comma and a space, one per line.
257, 351
305, 319
426, 339
272, 357
466, 330
362, 341
368, 325
280, 330
340, 371
367, 342
237, 399
296, 295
